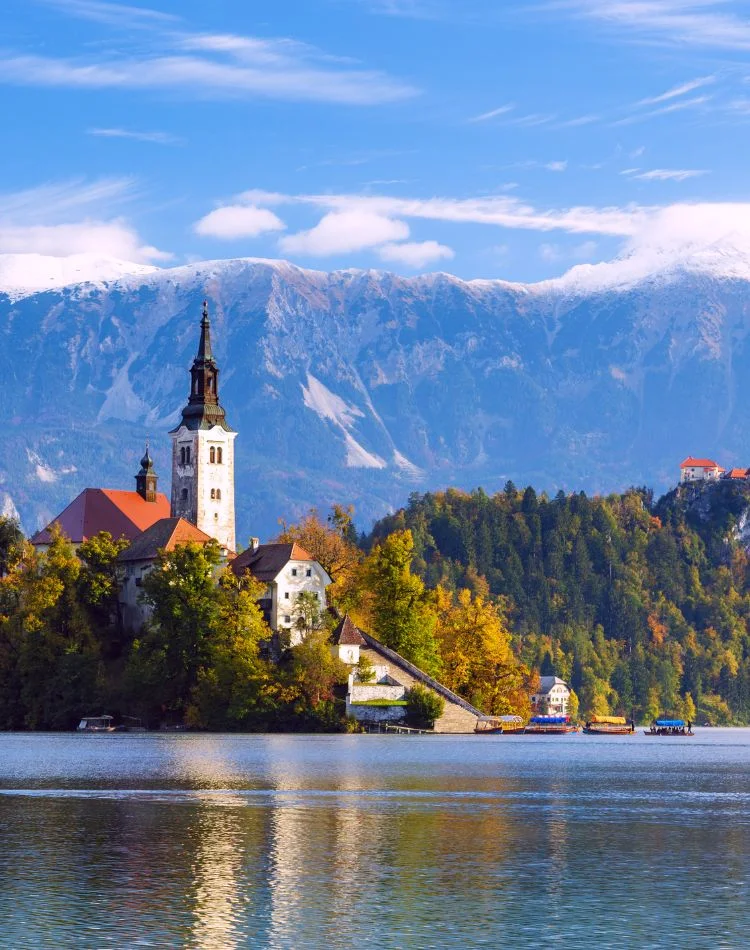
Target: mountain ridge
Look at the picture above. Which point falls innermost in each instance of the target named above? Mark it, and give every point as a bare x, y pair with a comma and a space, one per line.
361, 386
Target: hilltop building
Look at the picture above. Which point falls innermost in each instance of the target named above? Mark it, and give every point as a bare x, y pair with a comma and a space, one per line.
553, 696
287, 570
698, 470
203, 451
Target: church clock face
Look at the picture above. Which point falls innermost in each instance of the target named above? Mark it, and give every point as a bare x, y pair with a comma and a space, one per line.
203, 451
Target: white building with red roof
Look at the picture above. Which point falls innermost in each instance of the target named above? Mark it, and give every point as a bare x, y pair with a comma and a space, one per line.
697, 470
287, 570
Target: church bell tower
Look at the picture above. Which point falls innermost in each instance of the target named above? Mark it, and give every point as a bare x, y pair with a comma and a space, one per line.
203, 451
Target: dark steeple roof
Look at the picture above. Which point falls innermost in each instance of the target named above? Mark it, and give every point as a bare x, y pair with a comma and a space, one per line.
204, 410
146, 479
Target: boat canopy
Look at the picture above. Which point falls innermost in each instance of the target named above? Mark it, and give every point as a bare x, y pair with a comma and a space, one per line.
610, 720
550, 720
667, 723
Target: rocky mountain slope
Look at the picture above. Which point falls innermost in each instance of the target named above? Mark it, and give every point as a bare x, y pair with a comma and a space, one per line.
364, 386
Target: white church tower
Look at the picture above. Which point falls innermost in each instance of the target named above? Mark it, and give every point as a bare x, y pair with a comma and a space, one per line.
203, 451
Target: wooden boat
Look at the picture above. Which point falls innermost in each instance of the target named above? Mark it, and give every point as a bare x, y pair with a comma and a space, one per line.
499, 725
609, 726
95, 724
670, 727
549, 726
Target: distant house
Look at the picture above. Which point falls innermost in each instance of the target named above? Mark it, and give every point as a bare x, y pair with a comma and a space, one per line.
697, 470
287, 570
394, 676
552, 697
138, 560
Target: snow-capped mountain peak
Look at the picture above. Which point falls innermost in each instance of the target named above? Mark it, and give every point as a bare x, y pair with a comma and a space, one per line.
24, 274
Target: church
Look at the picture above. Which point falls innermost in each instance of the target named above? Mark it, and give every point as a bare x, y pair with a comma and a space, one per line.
201, 508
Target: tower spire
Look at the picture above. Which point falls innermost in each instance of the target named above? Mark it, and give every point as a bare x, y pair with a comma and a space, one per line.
203, 410
146, 479
204, 347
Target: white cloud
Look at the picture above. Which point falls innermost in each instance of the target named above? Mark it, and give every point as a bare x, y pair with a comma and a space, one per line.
578, 121
112, 14
704, 23
345, 231
493, 113
238, 221
680, 106
677, 91
556, 166
416, 254
157, 138
667, 174
72, 217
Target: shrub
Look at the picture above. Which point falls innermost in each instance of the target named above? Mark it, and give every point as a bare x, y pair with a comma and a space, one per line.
423, 707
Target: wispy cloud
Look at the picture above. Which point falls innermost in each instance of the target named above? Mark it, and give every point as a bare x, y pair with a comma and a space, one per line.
112, 14
203, 64
578, 121
665, 174
72, 217
700, 23
677, 91
680, 106
157, 138
493, 113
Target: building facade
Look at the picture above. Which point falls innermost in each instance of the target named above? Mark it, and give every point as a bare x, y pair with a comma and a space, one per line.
203, 451
552, 697
698, 470
287, 570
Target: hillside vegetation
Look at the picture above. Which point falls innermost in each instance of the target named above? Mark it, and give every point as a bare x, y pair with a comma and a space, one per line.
643, 607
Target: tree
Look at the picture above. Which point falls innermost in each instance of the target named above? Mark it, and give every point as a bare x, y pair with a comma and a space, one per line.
423, 706
477, 658
184, 598
308, 615
98, 587
403, 614
314, 671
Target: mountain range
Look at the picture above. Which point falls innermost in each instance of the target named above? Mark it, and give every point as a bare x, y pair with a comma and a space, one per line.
362, 386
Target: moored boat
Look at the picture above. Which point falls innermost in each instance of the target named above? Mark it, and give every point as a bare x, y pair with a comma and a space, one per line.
549, 726
499, 725
96, 724
609, 726
670, 727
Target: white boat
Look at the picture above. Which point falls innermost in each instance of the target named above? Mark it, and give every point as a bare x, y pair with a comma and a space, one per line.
96, 724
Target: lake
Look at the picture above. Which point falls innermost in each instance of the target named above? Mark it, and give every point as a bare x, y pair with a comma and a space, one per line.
374, 841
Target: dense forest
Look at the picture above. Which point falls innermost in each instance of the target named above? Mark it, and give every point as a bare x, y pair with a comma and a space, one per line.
642, 606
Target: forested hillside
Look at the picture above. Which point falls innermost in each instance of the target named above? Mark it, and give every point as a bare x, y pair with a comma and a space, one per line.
641, 606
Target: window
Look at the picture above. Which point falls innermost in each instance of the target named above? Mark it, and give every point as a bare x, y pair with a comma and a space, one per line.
286, 595
210, 384
182, 455
308, 572
218, 494
218, 456
184, 494
212, 457
213, 490
185, 455
287, 618
294, 572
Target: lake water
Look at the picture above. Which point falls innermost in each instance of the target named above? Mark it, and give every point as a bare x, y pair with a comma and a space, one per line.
374, 841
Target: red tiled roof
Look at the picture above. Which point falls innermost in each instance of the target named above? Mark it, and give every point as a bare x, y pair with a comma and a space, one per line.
690, 462
265, 561
164, 534
346, 634
736, 473
122, 513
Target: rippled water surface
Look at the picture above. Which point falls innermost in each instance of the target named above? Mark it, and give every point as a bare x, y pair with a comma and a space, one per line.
370, 841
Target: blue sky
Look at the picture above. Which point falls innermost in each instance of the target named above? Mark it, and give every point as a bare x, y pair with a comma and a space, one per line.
508, 139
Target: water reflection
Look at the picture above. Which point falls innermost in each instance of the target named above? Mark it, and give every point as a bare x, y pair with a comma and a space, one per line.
288, 842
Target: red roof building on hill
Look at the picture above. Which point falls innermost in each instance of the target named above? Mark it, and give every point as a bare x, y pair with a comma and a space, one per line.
122, 513
739, 474
695, 470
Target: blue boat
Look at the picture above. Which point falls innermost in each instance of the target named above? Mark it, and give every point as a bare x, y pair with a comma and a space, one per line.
670, 727
549, 726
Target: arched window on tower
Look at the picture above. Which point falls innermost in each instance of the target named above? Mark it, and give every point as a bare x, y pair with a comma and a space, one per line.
187, 455
212, 455
210, 384
218, 455
218, 494
213, 494
184, 494
182, 455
